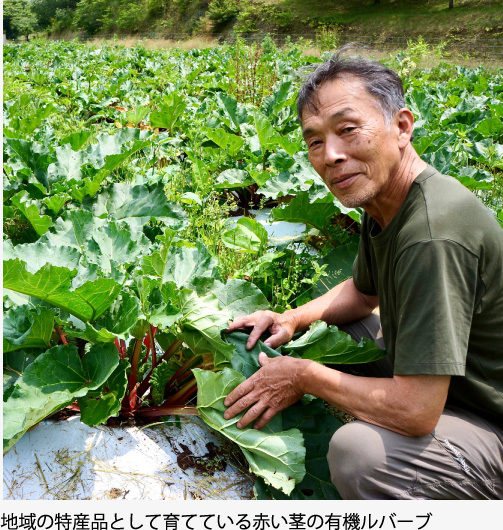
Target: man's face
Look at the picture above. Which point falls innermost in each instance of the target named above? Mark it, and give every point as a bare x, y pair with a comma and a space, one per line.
349, 143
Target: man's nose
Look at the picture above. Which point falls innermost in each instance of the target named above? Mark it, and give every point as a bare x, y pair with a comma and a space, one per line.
334, 151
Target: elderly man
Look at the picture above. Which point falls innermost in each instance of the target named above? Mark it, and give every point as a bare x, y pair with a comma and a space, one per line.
429, 416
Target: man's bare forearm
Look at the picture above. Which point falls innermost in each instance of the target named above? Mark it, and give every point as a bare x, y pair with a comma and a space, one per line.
409, 405
342, 304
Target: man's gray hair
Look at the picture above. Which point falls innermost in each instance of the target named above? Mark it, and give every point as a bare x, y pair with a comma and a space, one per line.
381, 82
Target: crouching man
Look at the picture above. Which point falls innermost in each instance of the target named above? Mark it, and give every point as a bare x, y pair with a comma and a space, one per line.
429, 416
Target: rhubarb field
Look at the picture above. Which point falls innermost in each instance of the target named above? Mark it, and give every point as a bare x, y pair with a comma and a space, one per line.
132, 179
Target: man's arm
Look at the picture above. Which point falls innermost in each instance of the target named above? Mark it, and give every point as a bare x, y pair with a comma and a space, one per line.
342, 304
410, 405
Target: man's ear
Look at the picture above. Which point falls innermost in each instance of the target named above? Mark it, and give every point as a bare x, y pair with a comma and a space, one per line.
405, 121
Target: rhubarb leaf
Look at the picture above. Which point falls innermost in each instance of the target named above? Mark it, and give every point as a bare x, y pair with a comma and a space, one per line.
26, 327
277, 457
161, 375
137, 205
328, 345
246, 361
53, 381
318, 426
239, 296
202, 324
181, 265
98, 405
30, 209
14, 364
248, 235
52, 284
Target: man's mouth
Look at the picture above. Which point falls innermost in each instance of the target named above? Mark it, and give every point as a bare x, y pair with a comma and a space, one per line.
344, 181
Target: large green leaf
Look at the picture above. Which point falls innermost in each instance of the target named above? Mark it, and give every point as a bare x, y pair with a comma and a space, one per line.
277, 457
202, 323
107, 163
77, 139
339, 263
235, 114
106, 244
68, 164
230, 143
328, 345
248, 235
159, 305
246, 361
117, 322
98, 405
180, 265
233, 178
115, 244
52, 284
25, 327
239, 296
137, 205
300, 210
170, 113
293, 178
14, 364
53, 381
317, 425
36, 157
31, 210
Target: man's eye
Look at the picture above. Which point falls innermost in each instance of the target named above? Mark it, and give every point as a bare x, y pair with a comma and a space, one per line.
314, 143
348, 129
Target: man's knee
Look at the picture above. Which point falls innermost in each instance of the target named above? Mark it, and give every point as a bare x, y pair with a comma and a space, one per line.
356, 457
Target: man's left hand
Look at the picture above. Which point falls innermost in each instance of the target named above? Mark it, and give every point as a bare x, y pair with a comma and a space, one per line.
274, 387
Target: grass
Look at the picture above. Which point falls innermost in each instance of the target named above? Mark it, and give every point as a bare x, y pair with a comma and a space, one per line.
156, 44
430, 18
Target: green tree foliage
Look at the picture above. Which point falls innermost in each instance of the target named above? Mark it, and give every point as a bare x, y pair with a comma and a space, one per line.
104, 15
18, 18
46, 10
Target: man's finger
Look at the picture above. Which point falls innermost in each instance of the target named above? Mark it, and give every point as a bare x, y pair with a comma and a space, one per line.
261, 326
241, 322
266, 417
277, 339
241, 390
252, 414
263, 359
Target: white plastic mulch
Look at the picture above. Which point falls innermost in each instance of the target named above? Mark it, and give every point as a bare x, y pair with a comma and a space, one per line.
69, 460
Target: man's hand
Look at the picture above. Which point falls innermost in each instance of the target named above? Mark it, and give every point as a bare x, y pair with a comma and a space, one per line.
281, 326
276, 386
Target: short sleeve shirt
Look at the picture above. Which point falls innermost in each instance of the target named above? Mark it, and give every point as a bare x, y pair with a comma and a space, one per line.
437, 269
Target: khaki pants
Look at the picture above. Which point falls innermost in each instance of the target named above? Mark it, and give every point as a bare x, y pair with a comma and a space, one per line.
461, 459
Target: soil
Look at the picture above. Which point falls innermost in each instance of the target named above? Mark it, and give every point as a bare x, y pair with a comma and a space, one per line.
207, 464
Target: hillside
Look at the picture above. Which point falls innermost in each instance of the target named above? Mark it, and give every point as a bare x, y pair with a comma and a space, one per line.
480, 19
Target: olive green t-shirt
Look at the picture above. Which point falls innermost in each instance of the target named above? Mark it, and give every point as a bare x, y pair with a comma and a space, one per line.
438, 271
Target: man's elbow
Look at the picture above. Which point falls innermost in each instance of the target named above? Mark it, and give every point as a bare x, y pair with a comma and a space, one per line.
420, 423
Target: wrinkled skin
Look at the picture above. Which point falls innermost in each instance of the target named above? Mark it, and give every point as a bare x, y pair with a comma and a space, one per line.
281, 327
274, 387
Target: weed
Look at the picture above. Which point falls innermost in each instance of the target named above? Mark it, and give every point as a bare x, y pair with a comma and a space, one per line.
254, 71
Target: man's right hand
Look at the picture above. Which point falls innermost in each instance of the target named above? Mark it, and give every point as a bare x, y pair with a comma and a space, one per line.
281, 327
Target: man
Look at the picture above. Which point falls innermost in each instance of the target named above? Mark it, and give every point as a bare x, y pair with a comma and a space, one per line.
430, 416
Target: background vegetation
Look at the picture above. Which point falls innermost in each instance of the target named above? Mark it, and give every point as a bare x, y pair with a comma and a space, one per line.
432, 18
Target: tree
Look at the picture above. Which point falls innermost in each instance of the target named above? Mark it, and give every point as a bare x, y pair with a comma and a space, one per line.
47, 9
451, 4
18, 18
